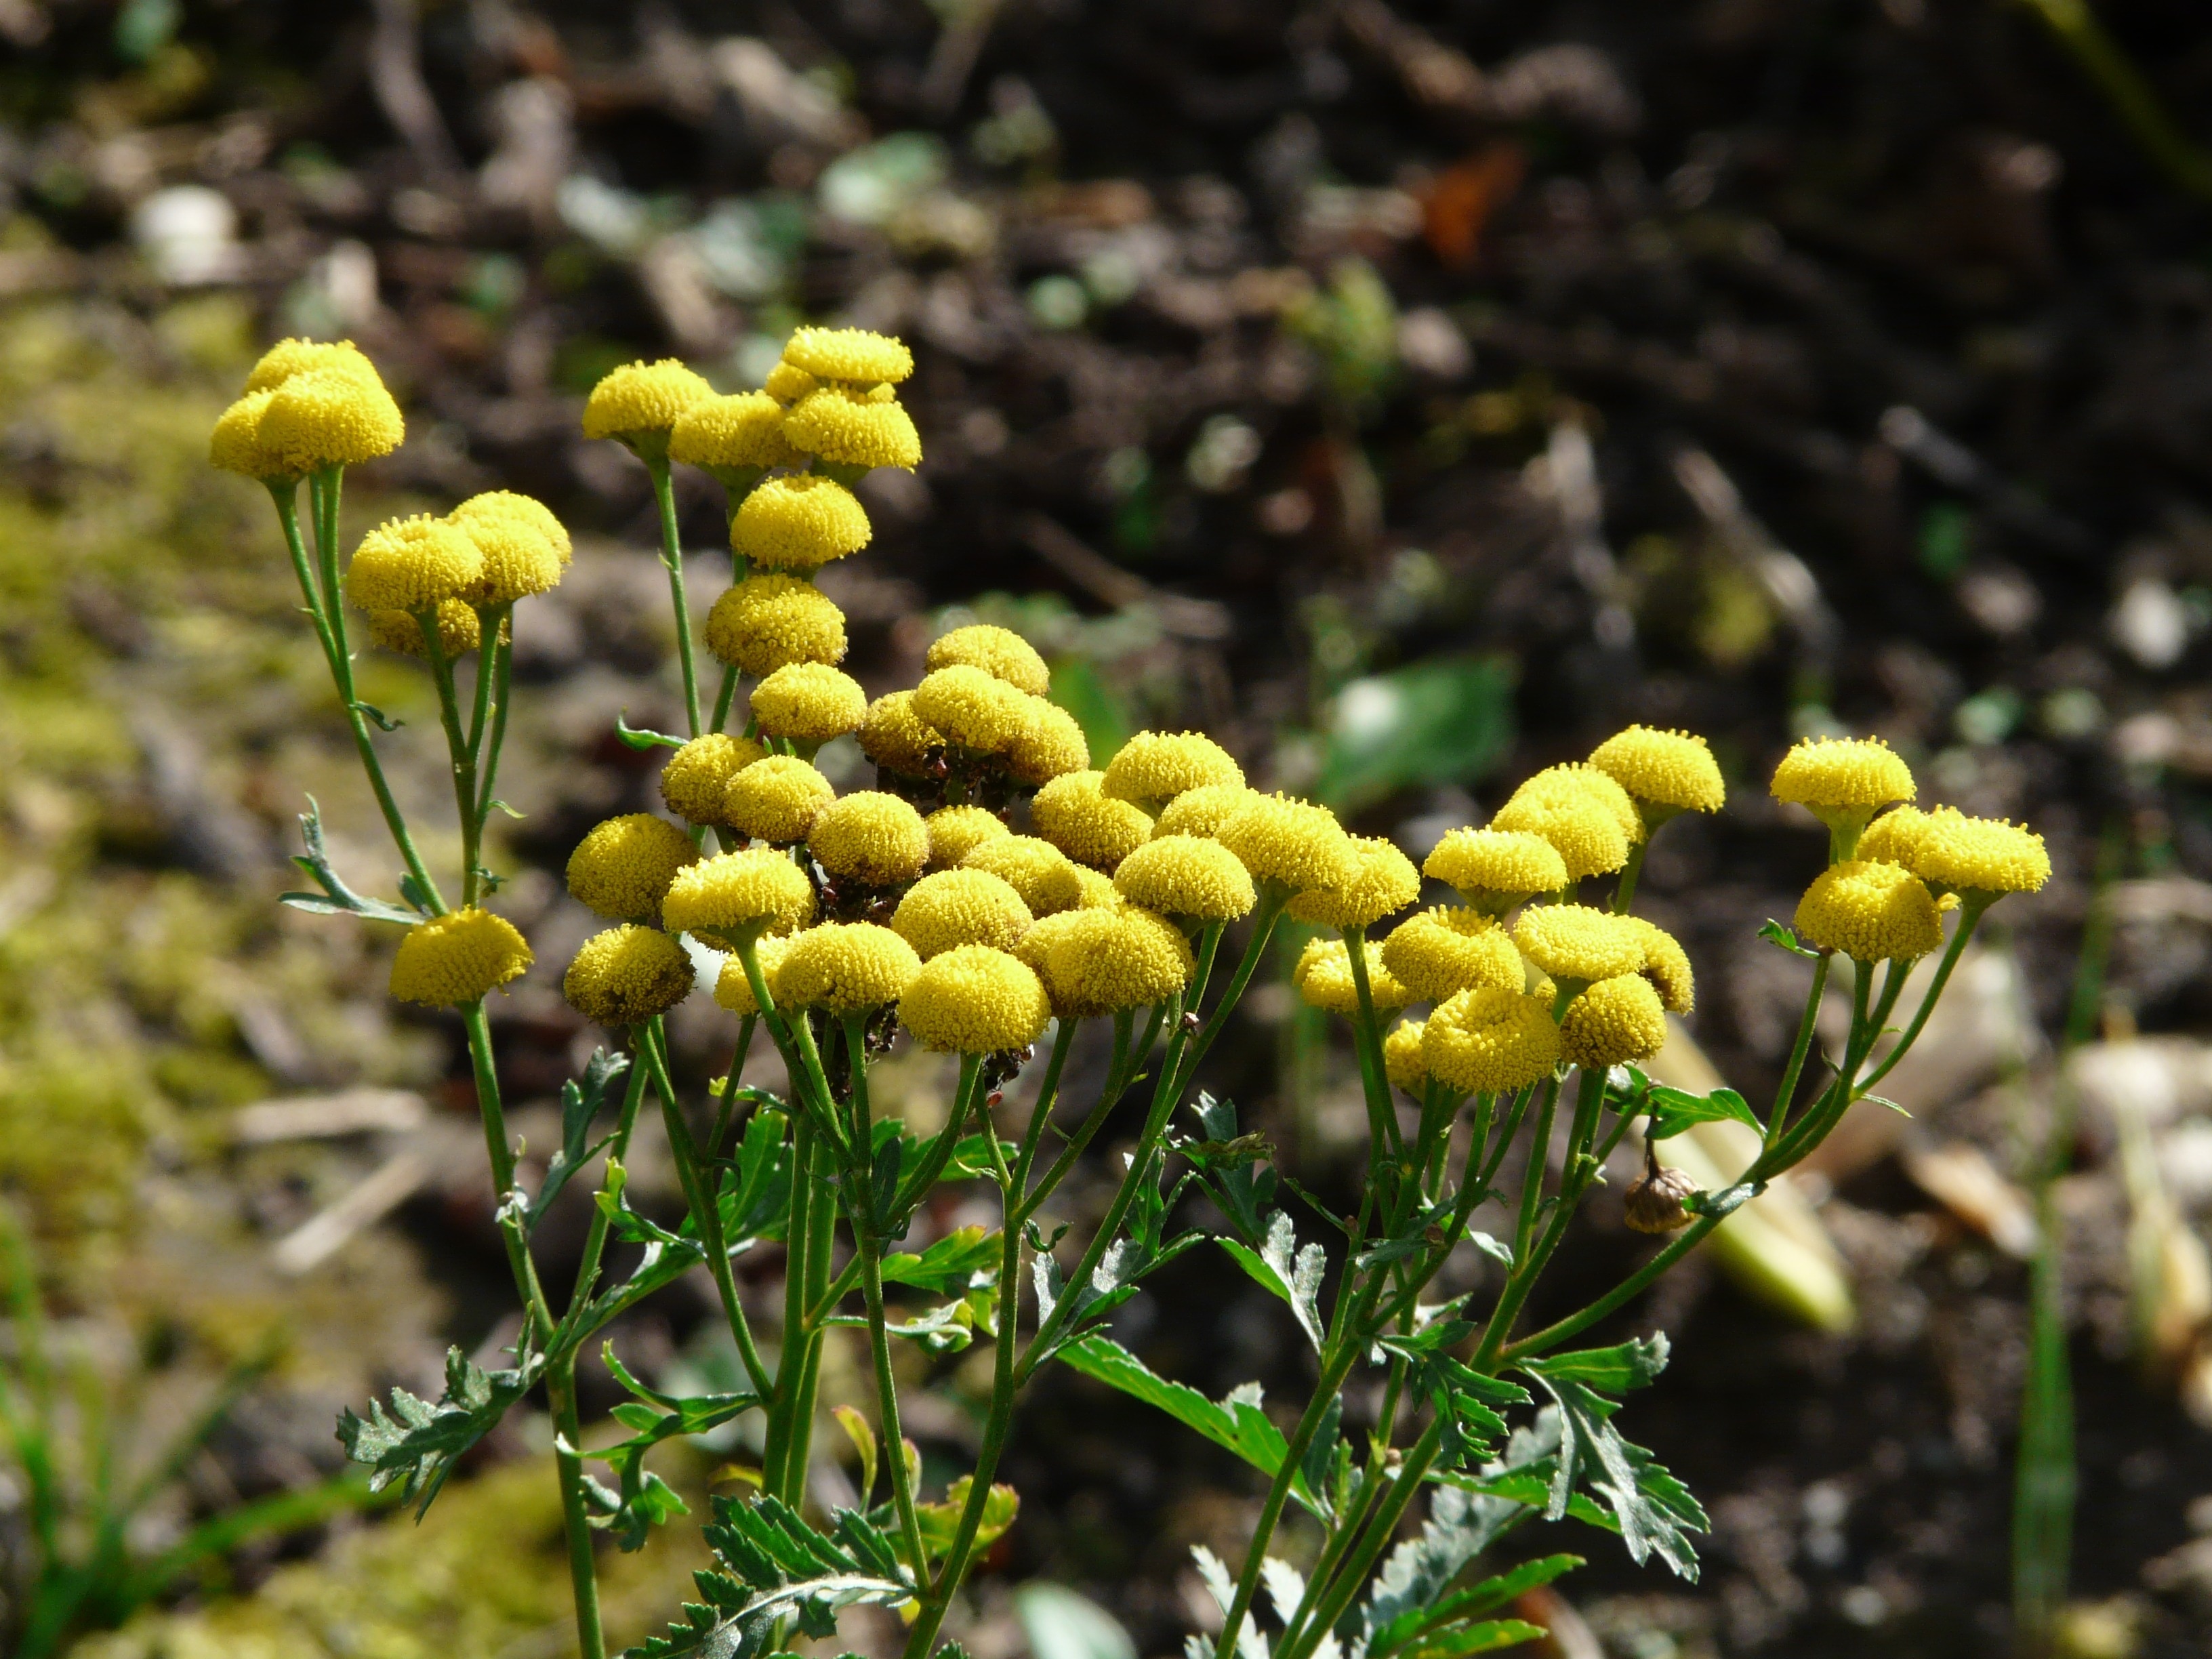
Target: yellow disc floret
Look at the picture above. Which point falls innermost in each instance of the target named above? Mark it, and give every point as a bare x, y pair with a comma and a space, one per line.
1890, 838
1074, 815
1491, 1041
1496, 869
974, 1000
721, 434
808, 703
452, 960
642, 398
1187, 875
1203, 811
735, 895
853, 431
871, 838
734, 990
1575, 942
956, 831
771, 619
1050, 746
798, 523
1974, 856
1038, 870
410, 564
1613, 1022
1851, 774
235, 444
1586, 816
330, 418
1292, 843
775, 799
1101, 961
1667, 965
975, 709
999, 651
896, 738
1674, 771
1384, 883
622, 869
961, 907
1403, 1062
788, 383
848, 354
459, 629
1438, 953
628, 974
518, 558
1323, 978
845, 967
1870, 912
695, 782
289, 359
1158, 766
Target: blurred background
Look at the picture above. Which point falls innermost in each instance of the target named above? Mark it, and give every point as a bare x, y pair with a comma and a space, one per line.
1408, 391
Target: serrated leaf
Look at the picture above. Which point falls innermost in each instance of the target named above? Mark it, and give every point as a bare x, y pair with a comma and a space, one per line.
1617, 1370
635, 737
863, 1436
1233, 1165
1418, 1630
755, 1189
418, 1440
336, 898
1655, 1510
581, 1101
961, 1260
1291, 1273
1775, 933
1673, 1110
940, 1521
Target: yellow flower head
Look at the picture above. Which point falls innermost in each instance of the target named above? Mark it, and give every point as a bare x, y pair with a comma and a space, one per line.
1496, 869
1870, 912
1158, 766
974, 1000
1487, 1042
529, 510
1202, 810
1575, 942
770, 621
328, 418
848, 354
452, 960
853, 431
1853, 775
234, 445
734, 896
1892, 838
628, 974
1972, 855
1076, 817
896, 738
788, 383
1385, 883
1097, 889
1186, 876
1403, 1062
845, 967
808, 703
975, 709
1438, 953
722, 434
798, 523
1585, 815
459, 629
1038, 870
623, 868
410, 564
1613, 1022
695, 782
1051, 746
289, 359
1672, 770
999, 651
640, 398
1292, 842
734, 990
1097, 962
1667, 965
1323, 979
518, 558
960, 907
956, 831
871, 838
777, 800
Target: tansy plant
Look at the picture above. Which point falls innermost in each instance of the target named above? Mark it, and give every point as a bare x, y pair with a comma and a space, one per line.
1141, 897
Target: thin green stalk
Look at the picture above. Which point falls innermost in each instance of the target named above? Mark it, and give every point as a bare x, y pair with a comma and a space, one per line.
1778, 1118
1531, 1256
1970, 915
595, 1238
575, 1518
879, 1345
1272, 898
821, 1225
725, 697
671, 555
463, 758
1063, 1039
1118, 1067
1321, 1615
1623, 890
501, 1154
1367, 1040
502, 678
791, 1362
723, 1104
940, 1150
2186, 164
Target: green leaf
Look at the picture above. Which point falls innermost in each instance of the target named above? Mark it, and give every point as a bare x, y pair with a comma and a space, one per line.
863, 1436
1233, 1166
1485, 1638
1776, 934
962, 1260
377, 717
581, 1101
940, 1521
1289, 1272
1443, 719
417, 1442
1062, 1625
337, 899
1673, 1110
1418, 1629
640, 737
1655, 1510
644, 1501
1614, 1371
755, 1192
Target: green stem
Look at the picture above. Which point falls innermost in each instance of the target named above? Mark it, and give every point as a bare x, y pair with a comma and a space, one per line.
463, 758
1272, 898
725, 697
671, 555
575, 1518
1367, 1040
1324, 1612
724, 1108
879, 1343
1778, 1118
791, 1362
1970, 915
595, 1239
501, 666
1623, 890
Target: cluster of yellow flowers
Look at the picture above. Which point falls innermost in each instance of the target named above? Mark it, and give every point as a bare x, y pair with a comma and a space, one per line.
307, 407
